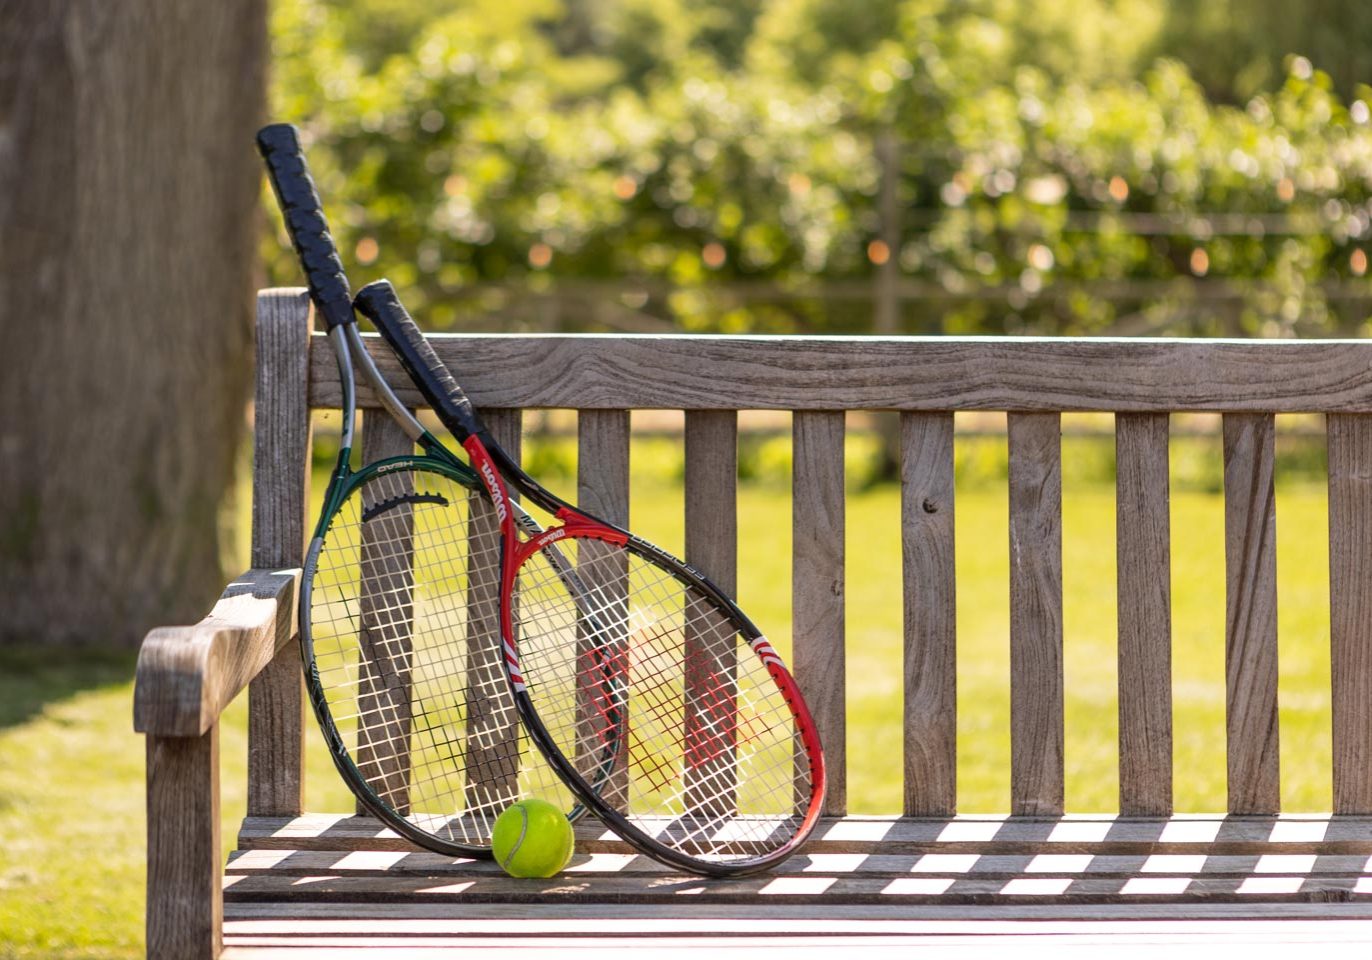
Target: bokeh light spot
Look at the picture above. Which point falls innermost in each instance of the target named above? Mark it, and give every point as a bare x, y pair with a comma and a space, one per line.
1200, 262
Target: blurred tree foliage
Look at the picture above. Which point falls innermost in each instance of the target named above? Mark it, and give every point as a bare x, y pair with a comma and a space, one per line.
1238, 48
711, 164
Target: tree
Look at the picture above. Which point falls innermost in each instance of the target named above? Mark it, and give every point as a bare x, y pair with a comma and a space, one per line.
1237, 48
128, 199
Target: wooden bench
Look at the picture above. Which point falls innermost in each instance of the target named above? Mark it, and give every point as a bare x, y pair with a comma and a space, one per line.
311, 878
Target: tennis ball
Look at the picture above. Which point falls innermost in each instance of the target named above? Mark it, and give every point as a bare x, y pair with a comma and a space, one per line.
532, 839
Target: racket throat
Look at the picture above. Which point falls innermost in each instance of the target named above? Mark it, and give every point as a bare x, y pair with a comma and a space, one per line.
491, 480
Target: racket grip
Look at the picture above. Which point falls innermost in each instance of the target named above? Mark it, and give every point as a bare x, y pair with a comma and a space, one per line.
279, 145
378, 303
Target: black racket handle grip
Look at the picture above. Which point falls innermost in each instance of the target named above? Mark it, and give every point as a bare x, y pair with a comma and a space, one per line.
279, 145
379, 304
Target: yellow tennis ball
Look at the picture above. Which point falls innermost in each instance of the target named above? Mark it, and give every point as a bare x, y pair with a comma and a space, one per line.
532, 839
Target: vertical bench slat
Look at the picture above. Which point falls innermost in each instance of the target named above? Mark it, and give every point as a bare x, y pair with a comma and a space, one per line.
817, 586
492, 738
603, 491
1250, 644
1350, 608
712, 495
603, 464
712, 548
1143, 560
281, 482
1036, 696
386, 616
930, 592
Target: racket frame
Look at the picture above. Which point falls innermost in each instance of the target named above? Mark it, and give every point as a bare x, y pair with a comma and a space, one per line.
494, 467
299, 202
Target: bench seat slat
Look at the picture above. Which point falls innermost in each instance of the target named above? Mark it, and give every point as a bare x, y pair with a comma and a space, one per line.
1003, 865
1098, 835
802, 889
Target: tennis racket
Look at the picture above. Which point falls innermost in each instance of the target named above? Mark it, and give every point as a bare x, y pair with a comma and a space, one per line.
719, 768
400, 603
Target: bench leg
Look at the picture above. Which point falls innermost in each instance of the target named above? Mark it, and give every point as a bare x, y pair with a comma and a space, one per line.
185, 914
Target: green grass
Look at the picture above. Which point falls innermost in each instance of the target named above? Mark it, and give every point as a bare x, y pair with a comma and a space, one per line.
71, 777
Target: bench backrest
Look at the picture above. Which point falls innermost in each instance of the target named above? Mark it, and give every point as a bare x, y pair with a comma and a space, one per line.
818, 379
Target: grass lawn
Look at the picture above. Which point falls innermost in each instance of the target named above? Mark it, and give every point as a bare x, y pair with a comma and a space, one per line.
71, 769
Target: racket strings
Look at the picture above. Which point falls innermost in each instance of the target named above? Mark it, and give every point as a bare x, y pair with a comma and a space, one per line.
404, 631
716, 691
707, 748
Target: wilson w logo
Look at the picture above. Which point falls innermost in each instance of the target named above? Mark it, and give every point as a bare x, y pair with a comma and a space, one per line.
497, 498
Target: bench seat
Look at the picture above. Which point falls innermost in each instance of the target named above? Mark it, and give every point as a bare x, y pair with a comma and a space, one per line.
969, 860
348, 884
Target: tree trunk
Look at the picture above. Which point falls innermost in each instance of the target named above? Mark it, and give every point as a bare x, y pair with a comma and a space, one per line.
128, 197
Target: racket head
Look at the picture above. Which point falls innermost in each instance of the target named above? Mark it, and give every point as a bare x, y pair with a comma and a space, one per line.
578, 695
399, 634
719, 767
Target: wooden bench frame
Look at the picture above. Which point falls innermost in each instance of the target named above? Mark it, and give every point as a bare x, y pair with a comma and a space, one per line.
187, 675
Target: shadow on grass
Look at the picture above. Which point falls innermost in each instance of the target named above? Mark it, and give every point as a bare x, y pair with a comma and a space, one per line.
33, 675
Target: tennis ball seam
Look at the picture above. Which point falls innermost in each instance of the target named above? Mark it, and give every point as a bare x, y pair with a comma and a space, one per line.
519, 842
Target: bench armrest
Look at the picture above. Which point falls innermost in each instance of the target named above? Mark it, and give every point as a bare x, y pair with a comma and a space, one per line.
187, 675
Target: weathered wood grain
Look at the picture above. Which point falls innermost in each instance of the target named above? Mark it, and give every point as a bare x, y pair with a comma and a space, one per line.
185, 902
930, 595
1143, 560
1250, 646
1059, 891
1036, 694
1350, 608
281, 427
986, 865
904, 373
386, 618
603, 491
711, 688
186, 676
1135, 923
1189, 834
711, 505
603, 464
281, 477
492, 732
818, 585
276, 715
